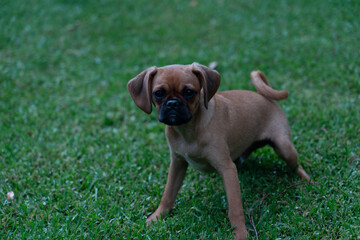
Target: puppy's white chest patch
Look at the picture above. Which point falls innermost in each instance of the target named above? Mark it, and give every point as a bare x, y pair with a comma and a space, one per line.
200, 165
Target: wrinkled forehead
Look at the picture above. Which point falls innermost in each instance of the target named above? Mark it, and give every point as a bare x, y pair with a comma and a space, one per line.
175, 77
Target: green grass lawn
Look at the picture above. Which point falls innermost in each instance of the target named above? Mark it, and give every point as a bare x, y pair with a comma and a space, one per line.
85, 163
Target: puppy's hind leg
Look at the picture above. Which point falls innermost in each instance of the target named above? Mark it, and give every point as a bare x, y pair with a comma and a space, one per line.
286, 150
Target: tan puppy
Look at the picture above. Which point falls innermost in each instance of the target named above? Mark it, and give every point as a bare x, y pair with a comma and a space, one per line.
211, 131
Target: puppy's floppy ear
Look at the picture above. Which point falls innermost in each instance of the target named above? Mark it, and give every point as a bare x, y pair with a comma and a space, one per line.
209, 79
140, 89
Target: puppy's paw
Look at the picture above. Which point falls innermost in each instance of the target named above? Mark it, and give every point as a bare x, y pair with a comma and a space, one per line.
302, 174
157, 215
153, 218
240, 234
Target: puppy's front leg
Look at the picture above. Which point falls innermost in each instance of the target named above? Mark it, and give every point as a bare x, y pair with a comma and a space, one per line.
230, 177
178, 167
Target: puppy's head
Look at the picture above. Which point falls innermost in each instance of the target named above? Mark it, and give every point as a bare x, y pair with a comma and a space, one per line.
175, 90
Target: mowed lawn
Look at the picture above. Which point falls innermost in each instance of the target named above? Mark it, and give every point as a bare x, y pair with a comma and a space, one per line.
85, 163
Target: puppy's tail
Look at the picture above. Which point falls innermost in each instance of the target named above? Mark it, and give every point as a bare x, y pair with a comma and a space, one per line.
263, 87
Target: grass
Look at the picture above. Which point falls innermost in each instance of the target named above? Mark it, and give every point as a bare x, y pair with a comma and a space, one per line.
85, 163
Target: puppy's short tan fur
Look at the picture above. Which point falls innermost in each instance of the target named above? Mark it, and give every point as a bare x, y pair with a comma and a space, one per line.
210, 130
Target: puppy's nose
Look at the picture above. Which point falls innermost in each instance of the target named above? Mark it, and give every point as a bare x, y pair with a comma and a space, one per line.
172, 103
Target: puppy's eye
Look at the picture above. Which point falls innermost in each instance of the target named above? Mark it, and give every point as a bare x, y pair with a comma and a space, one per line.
159, 94
188, 93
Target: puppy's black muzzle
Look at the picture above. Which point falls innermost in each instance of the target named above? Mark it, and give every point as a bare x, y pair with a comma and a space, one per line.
174, 112
173, 103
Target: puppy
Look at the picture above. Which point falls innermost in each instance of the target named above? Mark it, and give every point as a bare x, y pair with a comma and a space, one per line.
210, 130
